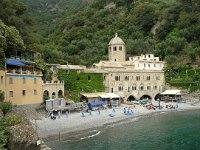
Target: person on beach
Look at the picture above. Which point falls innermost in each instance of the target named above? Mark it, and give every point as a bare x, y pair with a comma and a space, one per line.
113, 109
52, 116
99, 112
82, 113
59, 114
90, 112
66, 114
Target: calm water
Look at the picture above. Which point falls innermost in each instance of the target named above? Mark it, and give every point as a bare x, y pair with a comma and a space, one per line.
172, 131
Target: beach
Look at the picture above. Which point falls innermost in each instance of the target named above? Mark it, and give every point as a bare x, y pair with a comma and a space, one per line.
74, 122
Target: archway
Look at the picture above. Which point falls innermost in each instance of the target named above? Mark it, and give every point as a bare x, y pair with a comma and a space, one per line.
131, 98
145, 97
60, 94
46, 95
157, 97
53, 95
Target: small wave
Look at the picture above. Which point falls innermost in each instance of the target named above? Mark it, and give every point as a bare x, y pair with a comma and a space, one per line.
90, 136
163, 112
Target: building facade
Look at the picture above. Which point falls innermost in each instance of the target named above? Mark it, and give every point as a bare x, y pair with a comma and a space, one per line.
138, 78
21, 83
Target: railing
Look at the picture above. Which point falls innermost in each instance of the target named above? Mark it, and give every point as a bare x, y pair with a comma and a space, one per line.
53, 82
23, 72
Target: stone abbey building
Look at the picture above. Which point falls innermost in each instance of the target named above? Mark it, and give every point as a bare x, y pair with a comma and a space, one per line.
139, 77
136, 78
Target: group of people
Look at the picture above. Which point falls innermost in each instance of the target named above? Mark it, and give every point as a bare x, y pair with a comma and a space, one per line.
128, 111
171, 106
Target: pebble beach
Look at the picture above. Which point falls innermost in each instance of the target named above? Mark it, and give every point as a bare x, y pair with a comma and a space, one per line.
75, 122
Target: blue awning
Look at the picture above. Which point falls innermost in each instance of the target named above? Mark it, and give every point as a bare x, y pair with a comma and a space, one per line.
95, 103
15, 62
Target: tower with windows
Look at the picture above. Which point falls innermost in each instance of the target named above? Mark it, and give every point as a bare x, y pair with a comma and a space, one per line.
116, 49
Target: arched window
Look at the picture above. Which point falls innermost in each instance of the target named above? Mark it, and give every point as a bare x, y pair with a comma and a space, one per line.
141, 87
60, 94
53, 95
120, 88
46, 95
149, 87
134, 87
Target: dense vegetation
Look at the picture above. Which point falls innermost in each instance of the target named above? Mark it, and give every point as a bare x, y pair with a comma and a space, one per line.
76, 82
82, 38
6, 121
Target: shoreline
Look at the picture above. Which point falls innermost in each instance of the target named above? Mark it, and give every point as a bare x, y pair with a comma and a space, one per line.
84, 128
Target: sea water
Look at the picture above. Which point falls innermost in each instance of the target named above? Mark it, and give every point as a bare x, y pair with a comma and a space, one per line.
164, 131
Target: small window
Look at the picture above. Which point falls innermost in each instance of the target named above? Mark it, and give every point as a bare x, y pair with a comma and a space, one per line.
154, 65
148, 78
134, 87
35, 81
104, 77
117, 78
141, 87
144, 65
120, 88
120, 48
111, 90
1, 79
10, 80
35, 92
128, 89
11, 93
24, 80
23, 92
115, 59
115, 48
155, 87
148, 87
149, 56
126, 77
138, 78
149, 65
89, 78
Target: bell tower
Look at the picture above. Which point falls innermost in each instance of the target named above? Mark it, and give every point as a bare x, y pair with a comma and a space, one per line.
116, 49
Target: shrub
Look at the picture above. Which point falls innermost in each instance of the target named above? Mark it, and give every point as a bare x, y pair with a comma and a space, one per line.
5, 107
13, 120
3, 134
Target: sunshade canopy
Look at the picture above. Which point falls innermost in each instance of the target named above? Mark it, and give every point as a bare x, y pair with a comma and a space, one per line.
171, 92
95, 103
15, 62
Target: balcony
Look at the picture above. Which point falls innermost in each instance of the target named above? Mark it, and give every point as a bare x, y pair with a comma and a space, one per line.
53, 82
22, 72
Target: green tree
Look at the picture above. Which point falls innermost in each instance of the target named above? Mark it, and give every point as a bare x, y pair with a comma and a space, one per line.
10, 39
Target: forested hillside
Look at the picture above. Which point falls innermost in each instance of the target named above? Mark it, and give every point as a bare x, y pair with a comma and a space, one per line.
78, 31
170, 29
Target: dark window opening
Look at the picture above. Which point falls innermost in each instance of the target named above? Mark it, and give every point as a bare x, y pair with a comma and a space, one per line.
24, 92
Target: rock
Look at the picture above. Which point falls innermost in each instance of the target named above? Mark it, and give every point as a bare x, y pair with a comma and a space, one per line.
23, 137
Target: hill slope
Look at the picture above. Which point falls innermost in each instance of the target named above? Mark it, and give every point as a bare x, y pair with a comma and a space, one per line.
169, 29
